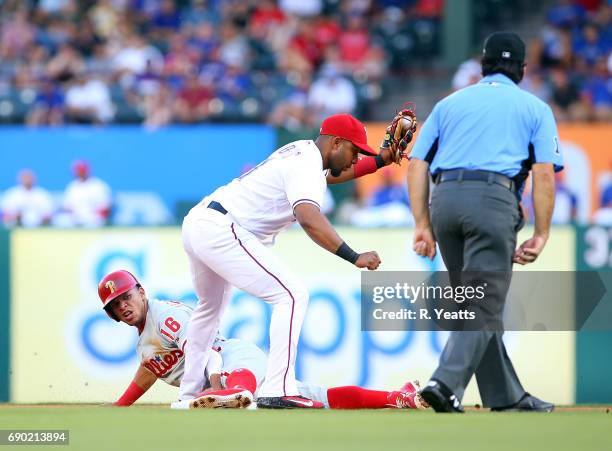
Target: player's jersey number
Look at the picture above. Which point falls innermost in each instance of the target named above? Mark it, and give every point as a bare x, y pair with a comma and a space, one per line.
171, 324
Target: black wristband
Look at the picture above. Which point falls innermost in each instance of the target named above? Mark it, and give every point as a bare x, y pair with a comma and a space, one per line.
379, 161
345, 252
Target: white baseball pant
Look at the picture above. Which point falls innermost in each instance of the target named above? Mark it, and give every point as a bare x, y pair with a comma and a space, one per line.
221, 253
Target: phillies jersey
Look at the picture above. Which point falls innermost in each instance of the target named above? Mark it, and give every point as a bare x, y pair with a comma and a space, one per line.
161, 342
262, 200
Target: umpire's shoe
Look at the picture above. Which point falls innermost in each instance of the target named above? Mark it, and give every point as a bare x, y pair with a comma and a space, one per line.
288, 402
527, 403
441, 398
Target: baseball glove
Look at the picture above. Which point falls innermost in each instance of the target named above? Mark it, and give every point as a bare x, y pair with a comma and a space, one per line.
399, 133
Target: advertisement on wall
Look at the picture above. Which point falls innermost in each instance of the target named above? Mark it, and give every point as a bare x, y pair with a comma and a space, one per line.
61, 334
587, 173
593, 364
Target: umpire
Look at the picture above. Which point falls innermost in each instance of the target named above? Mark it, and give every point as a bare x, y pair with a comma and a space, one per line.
479, 144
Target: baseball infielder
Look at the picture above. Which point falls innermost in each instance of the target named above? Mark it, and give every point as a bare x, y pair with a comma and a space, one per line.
227, 235
235, 368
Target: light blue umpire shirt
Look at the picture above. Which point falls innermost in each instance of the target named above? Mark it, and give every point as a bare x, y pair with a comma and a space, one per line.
492, 125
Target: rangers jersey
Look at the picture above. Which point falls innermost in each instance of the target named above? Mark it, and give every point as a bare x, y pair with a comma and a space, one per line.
263, 199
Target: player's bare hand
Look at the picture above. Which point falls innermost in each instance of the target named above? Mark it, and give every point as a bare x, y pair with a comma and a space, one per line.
529, 251
369, 260
424, 243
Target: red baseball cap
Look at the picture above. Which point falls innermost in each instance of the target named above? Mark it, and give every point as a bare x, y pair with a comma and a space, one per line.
115, 284
347, 127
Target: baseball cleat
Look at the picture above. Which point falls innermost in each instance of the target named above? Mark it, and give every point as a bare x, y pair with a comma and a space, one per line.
441, 398
527, 403
288, 402
407, 397
232, 398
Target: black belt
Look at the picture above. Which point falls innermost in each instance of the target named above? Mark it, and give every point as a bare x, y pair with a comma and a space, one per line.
481, 176
217, 207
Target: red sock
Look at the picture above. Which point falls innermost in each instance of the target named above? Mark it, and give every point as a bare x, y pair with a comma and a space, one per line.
242, 378
356, 398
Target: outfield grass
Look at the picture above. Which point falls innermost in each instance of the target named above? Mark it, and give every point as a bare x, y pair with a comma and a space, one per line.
158, 428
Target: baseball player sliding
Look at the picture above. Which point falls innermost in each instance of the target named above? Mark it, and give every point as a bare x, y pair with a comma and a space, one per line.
235, 368
228, 234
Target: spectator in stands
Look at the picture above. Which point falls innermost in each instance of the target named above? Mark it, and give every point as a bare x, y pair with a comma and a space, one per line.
468, 73
193, 100
166, 21
589, 45
87, 199
566, 202
566, 14
234, 48
199, 12
331, 93
26, 204
148, 82
65, 65
304, 52
181, 58
158, 107
88, 101
55, 7
261, 55
292, 112
597, 92
124, 44
565, 96
389, 191
205, 41
48, 108
267, 14
16, 34
302, 8
603, 216
535, 83
135, 57
86, 39
104, 17
234, 85
354, 41
387, 206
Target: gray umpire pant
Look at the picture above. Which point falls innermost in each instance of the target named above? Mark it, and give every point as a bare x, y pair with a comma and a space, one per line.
475, 224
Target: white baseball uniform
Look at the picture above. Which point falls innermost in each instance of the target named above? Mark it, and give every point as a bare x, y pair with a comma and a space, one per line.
231, 249
161, 342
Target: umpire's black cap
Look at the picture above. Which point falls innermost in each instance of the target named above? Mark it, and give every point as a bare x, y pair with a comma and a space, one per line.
503, 45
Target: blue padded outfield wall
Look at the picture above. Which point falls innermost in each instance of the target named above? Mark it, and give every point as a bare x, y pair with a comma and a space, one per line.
178, 163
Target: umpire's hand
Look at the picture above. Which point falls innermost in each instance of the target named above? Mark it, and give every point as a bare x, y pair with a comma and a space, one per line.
424, 243
528, 251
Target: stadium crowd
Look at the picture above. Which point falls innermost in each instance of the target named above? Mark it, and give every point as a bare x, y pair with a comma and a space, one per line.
285, 62
569, 63
163, 61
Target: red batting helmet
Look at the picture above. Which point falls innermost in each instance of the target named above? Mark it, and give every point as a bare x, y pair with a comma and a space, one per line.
113, 285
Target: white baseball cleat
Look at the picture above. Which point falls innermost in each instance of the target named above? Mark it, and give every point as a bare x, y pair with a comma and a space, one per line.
232, 398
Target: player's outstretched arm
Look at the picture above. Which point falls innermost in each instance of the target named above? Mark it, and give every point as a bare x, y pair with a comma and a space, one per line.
365, 165
143, 380
319, 229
